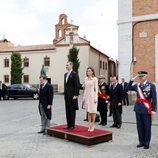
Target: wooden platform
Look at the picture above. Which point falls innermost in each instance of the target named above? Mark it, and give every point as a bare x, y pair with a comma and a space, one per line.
80, 134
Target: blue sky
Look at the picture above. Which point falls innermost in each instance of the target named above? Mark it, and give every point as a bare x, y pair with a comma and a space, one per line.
28, 22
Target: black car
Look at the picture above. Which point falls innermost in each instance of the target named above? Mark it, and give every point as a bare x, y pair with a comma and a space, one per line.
22, 91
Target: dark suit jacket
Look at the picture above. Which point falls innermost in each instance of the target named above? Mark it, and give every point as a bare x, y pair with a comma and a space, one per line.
71, 88
116, 97
46, 98
4, 89
124, 89
151, 95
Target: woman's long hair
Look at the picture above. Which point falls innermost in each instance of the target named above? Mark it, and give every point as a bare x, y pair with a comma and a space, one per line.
91, 70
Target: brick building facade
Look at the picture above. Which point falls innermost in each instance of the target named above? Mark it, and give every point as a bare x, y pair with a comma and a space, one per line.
138, 38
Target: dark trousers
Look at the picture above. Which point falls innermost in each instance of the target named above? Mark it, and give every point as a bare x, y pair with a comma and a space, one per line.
125, 99
110, 110
144, 128
103, 113
70, 113
117, 115
1, 94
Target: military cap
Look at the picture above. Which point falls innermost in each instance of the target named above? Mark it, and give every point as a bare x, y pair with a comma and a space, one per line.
101, 77
142, 73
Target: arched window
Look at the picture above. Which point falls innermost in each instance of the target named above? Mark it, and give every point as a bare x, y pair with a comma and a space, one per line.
60, 33
71, 38
62, 21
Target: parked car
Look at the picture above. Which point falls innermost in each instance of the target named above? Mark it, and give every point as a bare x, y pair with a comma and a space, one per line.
22, 91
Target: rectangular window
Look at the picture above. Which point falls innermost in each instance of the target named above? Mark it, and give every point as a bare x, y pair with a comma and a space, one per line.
6, 78
100, 64
6, 62
106, 66
46, 61
26, 62
26, 78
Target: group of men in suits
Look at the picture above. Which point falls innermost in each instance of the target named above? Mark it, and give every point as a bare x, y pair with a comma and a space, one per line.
110, 95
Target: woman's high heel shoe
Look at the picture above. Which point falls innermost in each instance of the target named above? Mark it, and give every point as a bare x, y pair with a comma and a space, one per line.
92, 129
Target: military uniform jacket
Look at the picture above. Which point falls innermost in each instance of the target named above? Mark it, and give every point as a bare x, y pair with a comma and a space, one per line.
149, 91
104, 88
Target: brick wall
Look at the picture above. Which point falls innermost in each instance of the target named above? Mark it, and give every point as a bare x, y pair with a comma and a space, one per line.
144, 47
144, 7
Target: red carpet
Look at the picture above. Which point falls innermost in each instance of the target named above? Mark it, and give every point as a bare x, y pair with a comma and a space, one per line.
81, 131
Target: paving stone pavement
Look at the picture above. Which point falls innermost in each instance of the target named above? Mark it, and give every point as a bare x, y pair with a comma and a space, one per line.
20, 121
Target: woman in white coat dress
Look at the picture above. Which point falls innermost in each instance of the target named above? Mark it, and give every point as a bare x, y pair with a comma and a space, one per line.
90, 97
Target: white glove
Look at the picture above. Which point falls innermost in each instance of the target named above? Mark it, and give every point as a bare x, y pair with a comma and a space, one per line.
134, 77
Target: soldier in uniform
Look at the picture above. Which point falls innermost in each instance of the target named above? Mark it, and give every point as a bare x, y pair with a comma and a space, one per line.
103, 96
145, 106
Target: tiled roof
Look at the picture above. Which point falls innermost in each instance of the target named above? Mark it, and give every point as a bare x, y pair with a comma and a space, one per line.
28, 48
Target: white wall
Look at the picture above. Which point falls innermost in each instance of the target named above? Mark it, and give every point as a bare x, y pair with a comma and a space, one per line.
4, 70
59, 64
124, 38
36, 60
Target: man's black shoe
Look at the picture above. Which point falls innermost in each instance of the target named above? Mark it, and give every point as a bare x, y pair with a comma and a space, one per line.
118, 126
146, 147
103, 124
140, 145
45, 133
100, 123
67, 127
113, 126
71, 128
40, 132
85, 120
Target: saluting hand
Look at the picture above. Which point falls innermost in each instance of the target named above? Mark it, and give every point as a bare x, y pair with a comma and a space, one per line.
134, 78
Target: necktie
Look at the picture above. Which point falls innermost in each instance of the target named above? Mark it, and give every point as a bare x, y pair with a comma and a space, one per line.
67, 76
114, 85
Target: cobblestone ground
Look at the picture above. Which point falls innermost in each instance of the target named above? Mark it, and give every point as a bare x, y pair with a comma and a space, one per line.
19, 123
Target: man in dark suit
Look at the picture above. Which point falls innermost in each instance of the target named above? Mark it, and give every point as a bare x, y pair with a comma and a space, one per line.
3, 90
71, 92
124, 92
110, 89
145, 106
103, 96
116, 102
45, 103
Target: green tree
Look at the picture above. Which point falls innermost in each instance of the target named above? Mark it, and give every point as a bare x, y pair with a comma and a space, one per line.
16, 68
73, 57
43, 71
